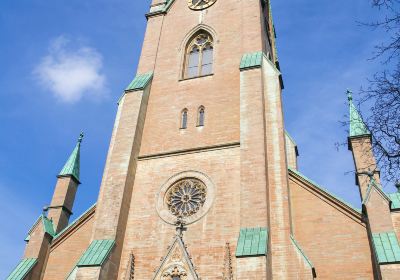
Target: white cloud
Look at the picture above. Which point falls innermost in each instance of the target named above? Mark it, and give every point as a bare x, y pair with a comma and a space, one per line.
71, 73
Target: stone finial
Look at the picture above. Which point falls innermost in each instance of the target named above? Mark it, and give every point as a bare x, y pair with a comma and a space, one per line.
349, 95
80, 137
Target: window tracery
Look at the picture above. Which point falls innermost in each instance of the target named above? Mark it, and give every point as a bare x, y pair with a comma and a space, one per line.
199, 56
186, 197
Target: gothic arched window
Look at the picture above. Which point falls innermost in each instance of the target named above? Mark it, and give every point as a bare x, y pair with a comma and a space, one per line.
199, 56
184, 118
201, 116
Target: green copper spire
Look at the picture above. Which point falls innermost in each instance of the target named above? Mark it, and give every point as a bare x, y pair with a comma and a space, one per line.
72, 167
357, 126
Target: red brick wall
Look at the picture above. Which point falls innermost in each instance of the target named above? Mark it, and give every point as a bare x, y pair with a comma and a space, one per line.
65, 253
147, 236
335, 240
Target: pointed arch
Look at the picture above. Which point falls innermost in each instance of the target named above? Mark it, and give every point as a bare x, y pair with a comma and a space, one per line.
201, 115
184, 118
198, 52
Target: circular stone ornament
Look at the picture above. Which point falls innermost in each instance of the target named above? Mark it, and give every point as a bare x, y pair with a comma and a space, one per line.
187, 195
200, 4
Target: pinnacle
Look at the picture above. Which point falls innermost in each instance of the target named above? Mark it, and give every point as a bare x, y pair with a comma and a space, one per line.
72, 166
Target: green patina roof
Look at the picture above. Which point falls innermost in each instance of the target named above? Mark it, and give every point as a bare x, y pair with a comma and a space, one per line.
303, 254
97, 253
72, 167
252, 242
395, 198
140, 82
372, 184
22, 269
48, 226
251, 60
162, 8
387, 247
324, 190
357, 125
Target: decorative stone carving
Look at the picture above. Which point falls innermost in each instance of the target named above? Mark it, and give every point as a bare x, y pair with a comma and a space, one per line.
228, 270
130, 271
177, 264
186, 197
176, 273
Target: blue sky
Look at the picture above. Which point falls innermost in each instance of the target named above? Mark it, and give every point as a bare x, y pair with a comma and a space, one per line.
64, 64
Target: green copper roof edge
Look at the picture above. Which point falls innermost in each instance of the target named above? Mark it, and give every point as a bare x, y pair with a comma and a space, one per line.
97, 252
395, 198
22, 269
45, 223
69, 274
381, 254
303, 254
48, 226
140, 82
258, 242
325, 191
164, 10
244, 67
142, 86
74, 222
168, 5
372, 184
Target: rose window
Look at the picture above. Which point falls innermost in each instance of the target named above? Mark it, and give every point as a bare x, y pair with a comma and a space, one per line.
186, 197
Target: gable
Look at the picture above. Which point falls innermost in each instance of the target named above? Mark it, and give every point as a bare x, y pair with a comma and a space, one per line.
177, 262
320, 218
324, 194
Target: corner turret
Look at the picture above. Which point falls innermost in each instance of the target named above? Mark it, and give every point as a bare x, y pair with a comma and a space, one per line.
357, 125
61, 205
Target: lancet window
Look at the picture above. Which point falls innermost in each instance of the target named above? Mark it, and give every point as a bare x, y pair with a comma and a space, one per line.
201, 116
184, 119
199, 56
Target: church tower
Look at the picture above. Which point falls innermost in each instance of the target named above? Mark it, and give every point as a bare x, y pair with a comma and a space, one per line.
201, 179
199, 143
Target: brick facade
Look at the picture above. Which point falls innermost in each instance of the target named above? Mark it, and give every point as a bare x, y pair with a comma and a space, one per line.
242, 154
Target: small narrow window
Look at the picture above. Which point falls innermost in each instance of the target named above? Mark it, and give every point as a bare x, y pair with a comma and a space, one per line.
201, 116
184, 119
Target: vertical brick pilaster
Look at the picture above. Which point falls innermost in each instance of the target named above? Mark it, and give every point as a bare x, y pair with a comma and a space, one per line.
252, 33
119, 174
150, 44
253, 181
283, 263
